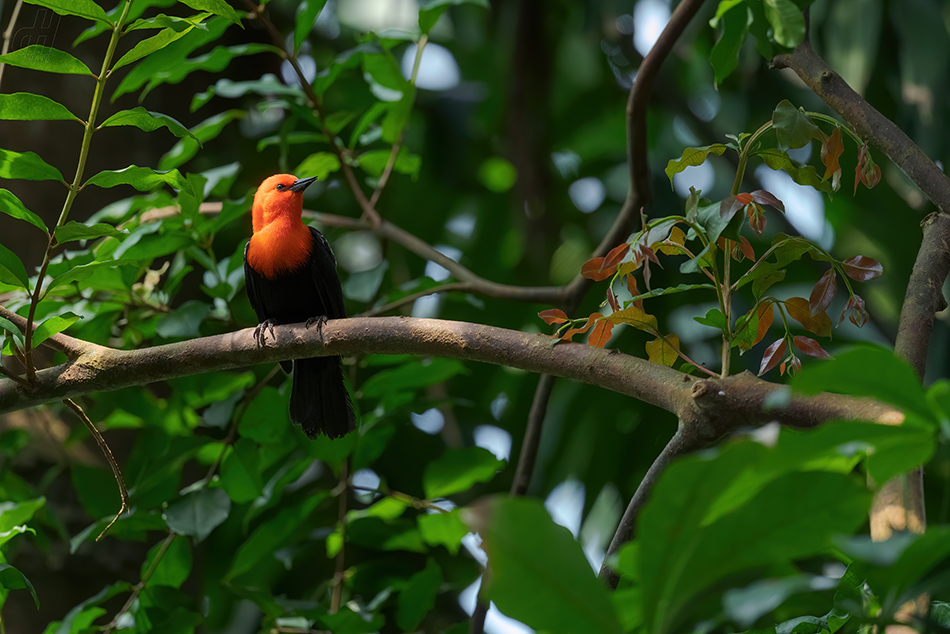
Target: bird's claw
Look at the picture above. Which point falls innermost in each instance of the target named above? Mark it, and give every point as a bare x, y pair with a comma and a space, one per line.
260, 333
319, 320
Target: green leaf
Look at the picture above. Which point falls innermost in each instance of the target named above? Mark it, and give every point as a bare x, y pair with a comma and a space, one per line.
443, 529
431, 11
82, 8
149, 121
537, 572
16, 513
198, 513
788, 250
319, 164
162, 21
11, 205
418, 597
346, 59
204, 131
671, 290
868, 371
13, 579
73, 230
691, 548
693, 156
6, 536
793, 128
724, 56
26, 166
807, 175
12, 270
174, 566
241, 472
155, 43
714, 319
83, 272
383, 70
143, 179
788, 23
183, 322
46, 59
217, 7
53, 325
374, 162
273, 535
457, 470
307, 14
397, 116
24, 106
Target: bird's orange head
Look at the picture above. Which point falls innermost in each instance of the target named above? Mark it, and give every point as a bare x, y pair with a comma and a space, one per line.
279, 197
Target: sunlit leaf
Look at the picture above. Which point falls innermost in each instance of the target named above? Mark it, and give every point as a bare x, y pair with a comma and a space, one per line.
663, 350
458, 470
24, 106
570, 332
82, 8
553, 316
53, 325
26, 166
635, 317
149, 121
594, 270
798, 309
788, 23
600, 335
12, 270
693, 157
11, 205
44, 58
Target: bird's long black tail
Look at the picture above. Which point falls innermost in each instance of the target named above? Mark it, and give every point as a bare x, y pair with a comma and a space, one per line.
319, 401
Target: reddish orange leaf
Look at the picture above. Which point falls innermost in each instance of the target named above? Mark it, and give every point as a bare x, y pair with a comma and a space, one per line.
862, 268
573, 331
744, 199
593, 270
773, 354
600, 335
810, 347
747, 249
553, 316
729, 206
796, 366
824, 291
615, 256
831, 151
765, 321
798, 310
858, 315
612, 300
663, 350
758, 222
632, 287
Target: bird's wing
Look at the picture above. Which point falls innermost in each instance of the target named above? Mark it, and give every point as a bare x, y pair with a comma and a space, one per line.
325, 276
252, 280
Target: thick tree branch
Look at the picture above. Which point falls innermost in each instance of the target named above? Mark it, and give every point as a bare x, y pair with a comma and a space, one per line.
712, 407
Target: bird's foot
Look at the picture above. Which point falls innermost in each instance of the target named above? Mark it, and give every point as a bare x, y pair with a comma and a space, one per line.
260, 333
317, 321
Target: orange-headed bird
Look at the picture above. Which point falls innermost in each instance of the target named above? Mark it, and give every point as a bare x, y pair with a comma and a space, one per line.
290, 276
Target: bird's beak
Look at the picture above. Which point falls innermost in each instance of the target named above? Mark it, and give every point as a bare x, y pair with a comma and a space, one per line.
301, 184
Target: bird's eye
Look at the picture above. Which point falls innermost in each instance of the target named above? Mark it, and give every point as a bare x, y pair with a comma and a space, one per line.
281, 187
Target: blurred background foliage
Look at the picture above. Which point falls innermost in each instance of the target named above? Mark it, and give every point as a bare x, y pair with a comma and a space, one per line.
513, 165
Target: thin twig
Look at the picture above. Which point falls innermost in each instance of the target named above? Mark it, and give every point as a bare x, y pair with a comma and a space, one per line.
104, 448
70, 346
337, 598
137, 589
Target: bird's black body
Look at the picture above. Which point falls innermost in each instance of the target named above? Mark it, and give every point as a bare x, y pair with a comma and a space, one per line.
319, 401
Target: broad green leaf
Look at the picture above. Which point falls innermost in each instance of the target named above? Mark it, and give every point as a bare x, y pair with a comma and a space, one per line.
143, 179
12, 270
787, 250
294, 138
184, 321
241, 472
671, 290
431, 11
73, 230
53, 325
26, 166
16, 513
794, 515
44, 58
149, 121
343, 61
261, 415
11, 205
83, 272
13, 579
412, 376
272, 535
788, 23
537, 572
458, 470
6, 536
793, 128
174, 566
868, 371
198, 513
217, 7
443, 529
319, 164
268, 84
746, 605
24, 106
714, 319
418, 597
397, 116
162, 21
693, 156
383, 70
155, 43
82, 8
204, 131
374, 162
725, 53
307, 14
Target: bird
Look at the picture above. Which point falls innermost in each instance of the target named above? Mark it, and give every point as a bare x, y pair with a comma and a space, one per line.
291, 276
